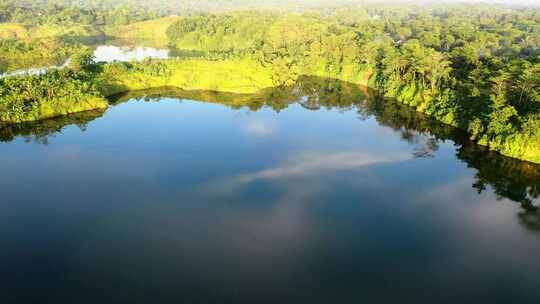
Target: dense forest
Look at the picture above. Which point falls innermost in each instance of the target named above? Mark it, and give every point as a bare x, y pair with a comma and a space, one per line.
476, 67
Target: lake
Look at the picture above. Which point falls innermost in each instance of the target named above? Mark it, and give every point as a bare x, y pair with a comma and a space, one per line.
114, 51
318, 193
109, 52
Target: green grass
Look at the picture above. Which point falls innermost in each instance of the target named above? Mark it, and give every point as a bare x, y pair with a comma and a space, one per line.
148, 30
55, 30
235, 76
54, 108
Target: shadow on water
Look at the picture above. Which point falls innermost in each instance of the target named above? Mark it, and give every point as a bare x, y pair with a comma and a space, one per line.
41, 131
509, 178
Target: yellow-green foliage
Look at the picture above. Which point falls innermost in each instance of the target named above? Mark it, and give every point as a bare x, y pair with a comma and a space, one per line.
235, 75
233, 100
152, 30
55, 107
315, 92
18, 54
64, 106
13, 31
40, 46
350, 73
523, 145
56, 30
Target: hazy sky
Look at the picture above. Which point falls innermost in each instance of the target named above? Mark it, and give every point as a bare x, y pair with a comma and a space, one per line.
521, 2
515, 2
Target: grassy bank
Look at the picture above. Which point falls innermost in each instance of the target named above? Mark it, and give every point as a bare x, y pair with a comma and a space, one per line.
147, 30
235, 75
71, 90
61, 92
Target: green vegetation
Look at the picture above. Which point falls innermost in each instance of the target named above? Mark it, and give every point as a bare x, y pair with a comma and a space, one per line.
234, 75
13, 31
35, 98
220, 33
73, 13
145, 30
42, 33
475, 67
58, 92
19, 54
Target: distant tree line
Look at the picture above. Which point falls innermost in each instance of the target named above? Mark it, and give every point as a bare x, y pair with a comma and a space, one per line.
96, 13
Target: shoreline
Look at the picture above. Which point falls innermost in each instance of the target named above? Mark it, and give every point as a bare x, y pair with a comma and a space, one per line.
221, 76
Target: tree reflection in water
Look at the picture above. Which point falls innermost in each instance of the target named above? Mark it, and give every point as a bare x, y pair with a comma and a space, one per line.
41, 131
509, 178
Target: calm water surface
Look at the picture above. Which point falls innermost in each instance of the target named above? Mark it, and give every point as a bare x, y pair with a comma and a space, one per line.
316, 195
110, 51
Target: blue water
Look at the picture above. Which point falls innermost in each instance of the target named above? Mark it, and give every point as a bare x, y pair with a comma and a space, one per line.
181, 201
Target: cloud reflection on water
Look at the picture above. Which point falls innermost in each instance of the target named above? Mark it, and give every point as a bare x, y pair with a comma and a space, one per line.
109, 53
260, 128
315, 162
